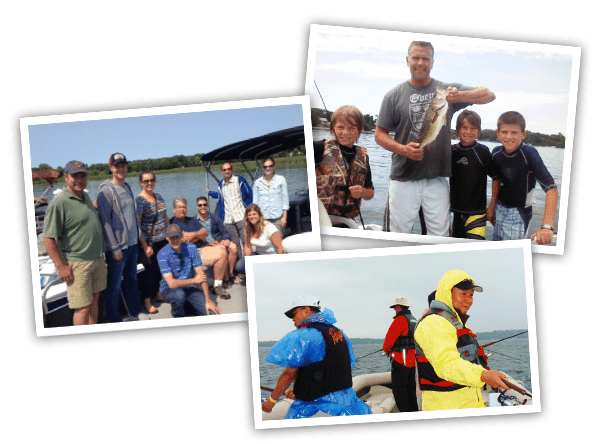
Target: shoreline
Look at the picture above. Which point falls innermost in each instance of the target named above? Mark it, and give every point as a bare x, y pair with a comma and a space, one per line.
287, 162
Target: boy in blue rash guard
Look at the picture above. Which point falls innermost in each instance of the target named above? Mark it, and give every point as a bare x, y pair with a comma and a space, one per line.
318, 359
519, 166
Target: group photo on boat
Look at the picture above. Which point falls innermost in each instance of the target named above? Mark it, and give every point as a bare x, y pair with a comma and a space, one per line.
393, 334
150, 214
439, 139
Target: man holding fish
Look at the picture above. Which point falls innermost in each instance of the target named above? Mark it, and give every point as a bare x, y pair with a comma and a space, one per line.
419, 111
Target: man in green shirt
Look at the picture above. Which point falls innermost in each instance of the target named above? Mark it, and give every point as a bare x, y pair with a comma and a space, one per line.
74, 240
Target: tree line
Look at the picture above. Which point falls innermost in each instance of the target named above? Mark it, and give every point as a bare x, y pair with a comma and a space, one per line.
369, 122
535, 139
175, 162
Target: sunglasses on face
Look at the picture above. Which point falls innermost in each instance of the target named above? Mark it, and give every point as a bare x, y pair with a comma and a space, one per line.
227, 169
149, 181
268, 166
202, 205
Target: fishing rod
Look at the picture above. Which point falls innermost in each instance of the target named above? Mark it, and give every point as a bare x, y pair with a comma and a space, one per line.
490, 343
516, 388
322, 99
502, 354
370, 354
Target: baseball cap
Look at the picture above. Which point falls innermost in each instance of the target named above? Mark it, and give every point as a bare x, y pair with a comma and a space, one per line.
117, 158
173, 231
467, 284
305, 300
74, 167
402, 300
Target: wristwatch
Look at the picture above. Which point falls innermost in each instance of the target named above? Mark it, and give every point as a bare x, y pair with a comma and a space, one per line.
547, 227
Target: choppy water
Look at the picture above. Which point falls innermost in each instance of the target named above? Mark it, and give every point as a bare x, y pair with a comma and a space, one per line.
510, 356
380, 161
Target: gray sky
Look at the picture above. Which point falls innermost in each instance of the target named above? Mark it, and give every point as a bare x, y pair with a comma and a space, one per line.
359, 66
360, 288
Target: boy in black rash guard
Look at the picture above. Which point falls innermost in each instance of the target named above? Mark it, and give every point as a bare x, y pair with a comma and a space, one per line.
343, 174
519, 167
471, 163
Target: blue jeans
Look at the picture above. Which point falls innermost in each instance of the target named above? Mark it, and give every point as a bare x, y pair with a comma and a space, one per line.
177, 297
124, 271
511, 222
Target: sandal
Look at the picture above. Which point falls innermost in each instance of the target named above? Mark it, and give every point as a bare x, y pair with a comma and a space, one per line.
149, 308
220, 291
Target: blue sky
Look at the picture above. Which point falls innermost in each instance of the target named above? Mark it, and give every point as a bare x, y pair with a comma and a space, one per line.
359, 286
156, 136
358, 67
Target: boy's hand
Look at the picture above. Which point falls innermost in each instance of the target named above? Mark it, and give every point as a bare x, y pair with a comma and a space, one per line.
490, 216
542, 236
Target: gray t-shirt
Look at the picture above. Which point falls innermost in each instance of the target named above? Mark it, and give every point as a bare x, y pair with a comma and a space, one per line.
128, 207
403, 110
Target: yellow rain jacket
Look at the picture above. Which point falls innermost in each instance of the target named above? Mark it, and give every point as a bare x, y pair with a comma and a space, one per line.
437, 337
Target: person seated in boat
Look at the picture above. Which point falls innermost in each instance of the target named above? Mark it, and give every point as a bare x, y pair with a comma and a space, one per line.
271, 193
260, 234
218, 236
343, 174
74, 241
182, 272
316, 347
400, 347
211, 256
452, 367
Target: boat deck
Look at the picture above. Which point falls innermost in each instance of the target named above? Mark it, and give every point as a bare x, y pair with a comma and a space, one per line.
58, 314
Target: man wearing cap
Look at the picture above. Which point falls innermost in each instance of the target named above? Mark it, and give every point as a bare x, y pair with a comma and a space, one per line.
74, 242
451, 365
318, 359
122, 232
180, 265
400, 346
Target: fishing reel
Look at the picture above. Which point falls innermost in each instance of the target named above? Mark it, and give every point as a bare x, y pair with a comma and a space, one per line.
508, 400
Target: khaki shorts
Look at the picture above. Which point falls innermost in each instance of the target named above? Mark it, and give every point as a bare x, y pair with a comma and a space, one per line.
90, 277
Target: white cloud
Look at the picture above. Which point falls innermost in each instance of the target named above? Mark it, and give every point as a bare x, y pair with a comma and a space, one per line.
367, 69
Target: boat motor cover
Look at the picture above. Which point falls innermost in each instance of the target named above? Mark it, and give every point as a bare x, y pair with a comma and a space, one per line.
303, 347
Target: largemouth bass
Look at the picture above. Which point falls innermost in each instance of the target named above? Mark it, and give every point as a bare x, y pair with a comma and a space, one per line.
435, 117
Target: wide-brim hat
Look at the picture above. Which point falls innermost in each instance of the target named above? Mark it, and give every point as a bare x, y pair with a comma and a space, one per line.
402, 300
305, 300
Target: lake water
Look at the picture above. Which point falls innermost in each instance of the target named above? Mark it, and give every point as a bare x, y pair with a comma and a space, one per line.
510, 356
193, 185
380, 161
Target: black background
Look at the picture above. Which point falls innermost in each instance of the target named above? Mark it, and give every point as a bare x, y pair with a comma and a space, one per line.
194, 381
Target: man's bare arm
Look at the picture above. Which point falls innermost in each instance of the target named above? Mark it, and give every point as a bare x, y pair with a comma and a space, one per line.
479, 96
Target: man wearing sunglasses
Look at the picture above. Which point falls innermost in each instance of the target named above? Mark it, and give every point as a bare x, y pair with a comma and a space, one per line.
217, 234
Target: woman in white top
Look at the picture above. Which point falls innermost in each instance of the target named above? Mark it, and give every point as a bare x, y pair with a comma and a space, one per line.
270, 192
260, 233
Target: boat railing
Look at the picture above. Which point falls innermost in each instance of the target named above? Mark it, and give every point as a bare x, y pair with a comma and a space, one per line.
45, 290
